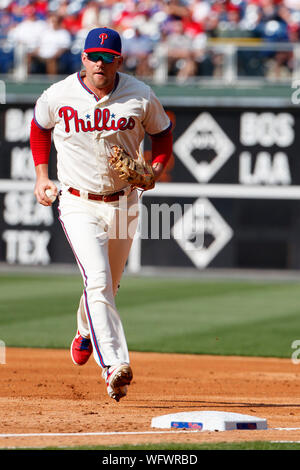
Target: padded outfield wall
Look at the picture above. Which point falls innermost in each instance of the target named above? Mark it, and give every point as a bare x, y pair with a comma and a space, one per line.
232, 184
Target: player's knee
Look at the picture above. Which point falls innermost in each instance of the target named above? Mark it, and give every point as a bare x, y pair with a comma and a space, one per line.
99, 286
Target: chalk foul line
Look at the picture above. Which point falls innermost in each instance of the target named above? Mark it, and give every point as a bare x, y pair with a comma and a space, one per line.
121, 433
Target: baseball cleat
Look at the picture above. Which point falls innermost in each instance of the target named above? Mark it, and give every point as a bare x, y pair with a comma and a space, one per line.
81, 349
117, 379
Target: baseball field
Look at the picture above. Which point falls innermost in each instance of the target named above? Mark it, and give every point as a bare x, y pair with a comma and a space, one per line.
196, 344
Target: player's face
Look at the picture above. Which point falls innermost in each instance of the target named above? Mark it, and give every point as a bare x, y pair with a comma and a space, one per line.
101, 73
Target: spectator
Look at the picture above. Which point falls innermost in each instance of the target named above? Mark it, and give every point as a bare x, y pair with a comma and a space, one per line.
72, 20
182, 25
28, 34
6, 23
292, 5
137, 50
200, 10
90, 16
183, 50
268, 10
54, 42
16, 9
41, 9
232, 26
176, 10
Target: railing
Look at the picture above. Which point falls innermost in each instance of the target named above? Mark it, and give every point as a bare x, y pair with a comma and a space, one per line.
227, 61
236, 61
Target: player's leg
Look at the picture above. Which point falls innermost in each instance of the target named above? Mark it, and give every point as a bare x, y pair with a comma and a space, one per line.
118, 248
121, 238
118, 251
82, 321
89, 242
81, 347
121, 235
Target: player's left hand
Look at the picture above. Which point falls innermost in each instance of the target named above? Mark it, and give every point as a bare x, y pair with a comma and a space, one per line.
136, 172
157, 168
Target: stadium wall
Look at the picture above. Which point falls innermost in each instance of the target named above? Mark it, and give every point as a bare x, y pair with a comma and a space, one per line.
229, 196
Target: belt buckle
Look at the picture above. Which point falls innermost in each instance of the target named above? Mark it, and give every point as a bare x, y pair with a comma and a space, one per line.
84, 194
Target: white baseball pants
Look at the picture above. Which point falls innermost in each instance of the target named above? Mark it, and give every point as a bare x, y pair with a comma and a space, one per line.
100, 235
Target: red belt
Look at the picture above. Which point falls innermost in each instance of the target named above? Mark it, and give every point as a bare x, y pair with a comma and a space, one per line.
99, 197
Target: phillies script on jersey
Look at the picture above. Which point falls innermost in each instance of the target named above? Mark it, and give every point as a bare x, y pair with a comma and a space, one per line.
103, 120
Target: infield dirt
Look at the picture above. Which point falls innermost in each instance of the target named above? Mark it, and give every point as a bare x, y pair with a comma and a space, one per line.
42, 391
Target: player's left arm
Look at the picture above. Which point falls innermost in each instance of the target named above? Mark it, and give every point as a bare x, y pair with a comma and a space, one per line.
162, 147
159, 128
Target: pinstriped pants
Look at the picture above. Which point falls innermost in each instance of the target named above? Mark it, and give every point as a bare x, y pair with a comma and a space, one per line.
100, 235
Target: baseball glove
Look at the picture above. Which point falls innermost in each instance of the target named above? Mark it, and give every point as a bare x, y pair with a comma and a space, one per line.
137, 173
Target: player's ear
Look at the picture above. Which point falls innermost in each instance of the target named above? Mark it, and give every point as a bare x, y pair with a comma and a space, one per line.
83, 57
120, 61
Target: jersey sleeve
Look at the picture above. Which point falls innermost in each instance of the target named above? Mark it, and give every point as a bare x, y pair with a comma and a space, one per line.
43, 115
156, 120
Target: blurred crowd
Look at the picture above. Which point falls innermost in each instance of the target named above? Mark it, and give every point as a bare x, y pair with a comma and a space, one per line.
53, 32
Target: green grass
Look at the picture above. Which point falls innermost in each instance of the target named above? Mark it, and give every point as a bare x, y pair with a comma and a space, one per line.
38, 311
255, 445
179, 315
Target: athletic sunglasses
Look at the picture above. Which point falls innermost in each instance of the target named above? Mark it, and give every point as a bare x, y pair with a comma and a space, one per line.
106, 57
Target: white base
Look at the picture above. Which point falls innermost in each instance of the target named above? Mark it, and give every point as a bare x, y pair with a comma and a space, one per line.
209, 421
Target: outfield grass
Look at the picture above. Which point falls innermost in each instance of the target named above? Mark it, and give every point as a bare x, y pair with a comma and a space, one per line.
255, 445
179, 315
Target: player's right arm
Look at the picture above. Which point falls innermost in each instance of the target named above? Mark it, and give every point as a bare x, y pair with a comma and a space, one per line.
40, 143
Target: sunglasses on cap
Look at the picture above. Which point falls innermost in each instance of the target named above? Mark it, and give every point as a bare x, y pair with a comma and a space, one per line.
106, 57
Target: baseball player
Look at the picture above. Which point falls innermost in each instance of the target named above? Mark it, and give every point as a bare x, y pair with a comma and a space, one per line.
88, 114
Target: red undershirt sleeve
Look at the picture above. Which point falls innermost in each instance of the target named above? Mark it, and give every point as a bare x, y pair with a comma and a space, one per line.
162, 147
40, 143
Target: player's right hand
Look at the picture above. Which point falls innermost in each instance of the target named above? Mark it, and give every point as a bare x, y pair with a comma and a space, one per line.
41, 185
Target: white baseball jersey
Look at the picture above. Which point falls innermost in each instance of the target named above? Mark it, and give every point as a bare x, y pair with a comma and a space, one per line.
86, 127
